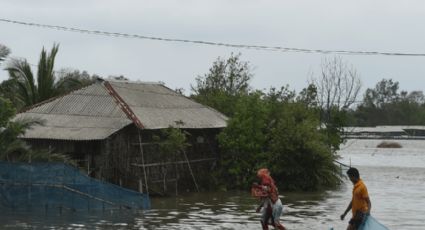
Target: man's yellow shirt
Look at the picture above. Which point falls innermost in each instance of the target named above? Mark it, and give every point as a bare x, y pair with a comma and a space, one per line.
360, 196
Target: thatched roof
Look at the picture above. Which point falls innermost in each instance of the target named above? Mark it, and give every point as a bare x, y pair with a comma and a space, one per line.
101, 109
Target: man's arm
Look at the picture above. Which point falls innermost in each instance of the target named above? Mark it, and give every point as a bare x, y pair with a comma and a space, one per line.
346, 210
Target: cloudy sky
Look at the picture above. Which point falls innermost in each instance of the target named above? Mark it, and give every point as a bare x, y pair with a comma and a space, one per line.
361, 25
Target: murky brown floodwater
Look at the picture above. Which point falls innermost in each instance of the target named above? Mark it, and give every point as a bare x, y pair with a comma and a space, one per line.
395, 179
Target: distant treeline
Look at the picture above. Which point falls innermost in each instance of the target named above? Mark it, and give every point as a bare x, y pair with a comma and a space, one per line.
386, 105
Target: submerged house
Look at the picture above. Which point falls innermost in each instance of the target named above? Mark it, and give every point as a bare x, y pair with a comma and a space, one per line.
110, 128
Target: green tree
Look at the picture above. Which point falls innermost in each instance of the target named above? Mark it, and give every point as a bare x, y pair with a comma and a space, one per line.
273, 130
243, 141
299, 154
171, 141
7, 87
68, 80
385, 105
308, 96
226, 81
10, 146
4, 51
31, 90
385, 91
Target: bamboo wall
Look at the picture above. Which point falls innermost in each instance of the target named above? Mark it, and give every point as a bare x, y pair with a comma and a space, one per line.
118, 159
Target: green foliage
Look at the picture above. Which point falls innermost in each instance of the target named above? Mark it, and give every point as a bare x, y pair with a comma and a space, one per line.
386, 91
14, 149
25, 89
10, 145
8, 89
4, 51
68, 80
243, 140
385, 105
333, 127
299, 155
308, 96
226, 81
273, 130
171, 141
278, 130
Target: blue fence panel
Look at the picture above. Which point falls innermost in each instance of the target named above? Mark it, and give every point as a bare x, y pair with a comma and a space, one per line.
57, 186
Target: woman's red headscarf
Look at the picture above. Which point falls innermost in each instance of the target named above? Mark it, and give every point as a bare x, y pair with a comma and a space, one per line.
267, 180
264, 175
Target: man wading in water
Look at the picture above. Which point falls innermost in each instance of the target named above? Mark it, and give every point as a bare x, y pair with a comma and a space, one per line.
271, 207
360, 204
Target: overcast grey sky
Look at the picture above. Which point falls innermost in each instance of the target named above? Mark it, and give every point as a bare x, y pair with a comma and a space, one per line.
361, 25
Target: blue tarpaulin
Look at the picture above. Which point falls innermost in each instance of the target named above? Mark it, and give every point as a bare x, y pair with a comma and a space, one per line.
372, 224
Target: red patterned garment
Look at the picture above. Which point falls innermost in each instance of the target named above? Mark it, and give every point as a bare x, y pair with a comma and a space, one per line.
268, 184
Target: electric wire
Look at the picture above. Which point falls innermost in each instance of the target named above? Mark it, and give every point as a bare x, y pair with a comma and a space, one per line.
240, 46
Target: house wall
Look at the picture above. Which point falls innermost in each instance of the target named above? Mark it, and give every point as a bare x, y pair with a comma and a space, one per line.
82, 152
118, 159
123, 164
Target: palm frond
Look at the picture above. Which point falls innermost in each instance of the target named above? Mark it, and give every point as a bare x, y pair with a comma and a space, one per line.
20, 71
46, 75
13, 150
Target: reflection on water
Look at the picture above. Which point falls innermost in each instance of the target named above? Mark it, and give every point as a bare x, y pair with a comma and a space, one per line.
395, 179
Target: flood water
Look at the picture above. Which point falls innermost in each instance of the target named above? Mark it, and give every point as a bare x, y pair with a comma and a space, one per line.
395, 179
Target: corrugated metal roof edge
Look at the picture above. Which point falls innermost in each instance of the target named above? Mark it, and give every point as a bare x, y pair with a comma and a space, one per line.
96, 139
28, 138
135, 82
208, 107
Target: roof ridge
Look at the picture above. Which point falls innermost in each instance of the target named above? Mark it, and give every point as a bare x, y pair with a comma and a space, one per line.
206, 106
134, 82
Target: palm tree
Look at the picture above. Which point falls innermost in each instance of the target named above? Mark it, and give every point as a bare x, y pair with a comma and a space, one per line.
30, 90
10, 145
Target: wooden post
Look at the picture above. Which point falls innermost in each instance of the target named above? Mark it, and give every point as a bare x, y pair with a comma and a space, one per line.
164, 179
177, 174
140, 185
143, 162
88, 164
190, 169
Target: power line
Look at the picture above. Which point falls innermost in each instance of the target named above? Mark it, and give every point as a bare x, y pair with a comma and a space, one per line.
241, 46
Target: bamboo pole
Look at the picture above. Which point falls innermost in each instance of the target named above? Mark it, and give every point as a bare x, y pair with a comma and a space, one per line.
190, 169
143, 163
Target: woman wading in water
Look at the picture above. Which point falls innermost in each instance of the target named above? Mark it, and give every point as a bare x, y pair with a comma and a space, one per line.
270, 206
